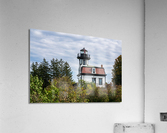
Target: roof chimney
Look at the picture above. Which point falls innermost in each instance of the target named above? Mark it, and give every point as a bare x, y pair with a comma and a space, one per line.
101, 66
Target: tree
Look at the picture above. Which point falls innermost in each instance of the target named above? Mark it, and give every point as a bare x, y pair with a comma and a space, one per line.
34, 69
55, 68
35, 89
44, 72
38, 95
61, 68
117, 71
67, 70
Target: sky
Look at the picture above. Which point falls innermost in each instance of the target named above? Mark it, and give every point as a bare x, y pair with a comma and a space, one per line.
65, 46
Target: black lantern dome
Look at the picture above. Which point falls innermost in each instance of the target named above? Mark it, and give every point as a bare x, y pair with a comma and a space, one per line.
83, 54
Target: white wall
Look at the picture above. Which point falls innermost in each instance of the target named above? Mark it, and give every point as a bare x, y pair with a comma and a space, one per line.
88, 78
114, 19
156, 63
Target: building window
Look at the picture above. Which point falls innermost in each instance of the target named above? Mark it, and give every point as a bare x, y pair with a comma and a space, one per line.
83, 62
94, 80
93, 70
100, 81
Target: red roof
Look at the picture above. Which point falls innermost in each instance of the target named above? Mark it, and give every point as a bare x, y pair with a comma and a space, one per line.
100, 71
88, 70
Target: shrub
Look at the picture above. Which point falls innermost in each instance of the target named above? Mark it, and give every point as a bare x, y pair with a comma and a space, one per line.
62, 90
35, 89
38, 95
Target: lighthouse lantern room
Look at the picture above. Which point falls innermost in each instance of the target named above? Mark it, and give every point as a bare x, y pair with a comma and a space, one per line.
83, 57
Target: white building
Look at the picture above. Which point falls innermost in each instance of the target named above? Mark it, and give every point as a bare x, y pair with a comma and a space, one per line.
90, 73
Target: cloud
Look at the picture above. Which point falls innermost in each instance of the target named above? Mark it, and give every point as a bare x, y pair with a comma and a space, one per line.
49, 45
36, 32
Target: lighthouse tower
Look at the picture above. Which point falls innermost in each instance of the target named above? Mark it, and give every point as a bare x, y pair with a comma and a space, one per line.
83, 57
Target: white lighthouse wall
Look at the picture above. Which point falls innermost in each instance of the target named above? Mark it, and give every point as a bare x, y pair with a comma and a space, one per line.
86, 62
88, 78
113, 19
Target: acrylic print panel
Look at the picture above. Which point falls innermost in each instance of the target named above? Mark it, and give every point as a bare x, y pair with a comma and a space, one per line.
69, 68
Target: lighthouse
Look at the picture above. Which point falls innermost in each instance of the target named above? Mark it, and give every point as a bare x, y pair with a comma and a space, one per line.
90, 73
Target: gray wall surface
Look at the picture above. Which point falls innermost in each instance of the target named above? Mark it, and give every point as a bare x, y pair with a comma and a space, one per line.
113, 19
156, 63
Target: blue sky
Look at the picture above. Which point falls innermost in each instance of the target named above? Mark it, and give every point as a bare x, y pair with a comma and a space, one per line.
49, 45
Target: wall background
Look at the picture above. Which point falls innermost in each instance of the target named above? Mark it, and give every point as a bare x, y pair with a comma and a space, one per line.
114, 19
156, 63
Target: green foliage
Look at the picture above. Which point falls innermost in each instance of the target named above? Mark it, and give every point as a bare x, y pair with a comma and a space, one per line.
53, 83
44, 72
34, 67
60, 68
57, 69
69, 93
38, 95
65, 87
118, 97
117, 71
62, 90
108, 94
67, 71
116, 94
51, 94
35, 89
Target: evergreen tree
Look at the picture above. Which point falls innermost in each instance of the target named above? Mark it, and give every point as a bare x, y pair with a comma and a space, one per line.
67, 70
54, 68
117, 71
61, 68
34, 69
44, 73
